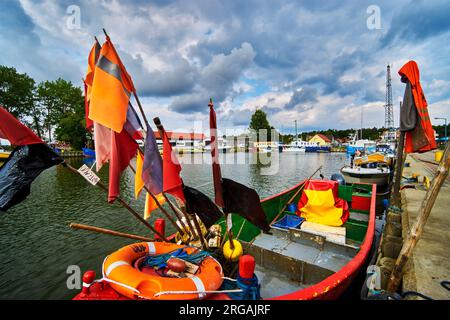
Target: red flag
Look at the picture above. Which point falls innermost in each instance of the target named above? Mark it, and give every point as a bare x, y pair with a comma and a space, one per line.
172, 182
217, 176
17, 134
123, 149
421, 138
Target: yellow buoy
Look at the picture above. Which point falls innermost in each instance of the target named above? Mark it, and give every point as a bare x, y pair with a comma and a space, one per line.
232, 254
438, 155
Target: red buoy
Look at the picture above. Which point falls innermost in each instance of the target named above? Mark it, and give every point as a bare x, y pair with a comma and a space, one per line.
88, 279
160, 226
246, 266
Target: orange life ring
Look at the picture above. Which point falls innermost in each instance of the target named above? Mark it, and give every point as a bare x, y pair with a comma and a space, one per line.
119, 271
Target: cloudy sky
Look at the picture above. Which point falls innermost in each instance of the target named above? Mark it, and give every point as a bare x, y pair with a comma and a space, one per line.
320, 62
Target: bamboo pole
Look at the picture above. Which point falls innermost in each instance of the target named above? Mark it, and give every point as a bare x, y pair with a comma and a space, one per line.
151, 194
108, 231
160, 206
161, 130
121, 201
424, 212
300, 189
179, 213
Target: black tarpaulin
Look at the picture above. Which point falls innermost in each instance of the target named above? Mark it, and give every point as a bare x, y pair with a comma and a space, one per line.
200, 204
21, 168
244, 201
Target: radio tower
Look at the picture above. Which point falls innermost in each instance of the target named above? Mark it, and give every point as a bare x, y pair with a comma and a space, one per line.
389, 108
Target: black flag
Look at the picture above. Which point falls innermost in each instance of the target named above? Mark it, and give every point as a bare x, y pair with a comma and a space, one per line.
245, 202
21, 168
200, 204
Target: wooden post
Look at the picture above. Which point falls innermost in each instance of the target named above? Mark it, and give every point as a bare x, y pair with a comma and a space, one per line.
110, 232
396, 198
424, 212
121, 201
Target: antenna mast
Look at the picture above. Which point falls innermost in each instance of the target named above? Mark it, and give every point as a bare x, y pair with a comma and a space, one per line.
389, 108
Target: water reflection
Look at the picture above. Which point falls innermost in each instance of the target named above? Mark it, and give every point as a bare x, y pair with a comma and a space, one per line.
38, 246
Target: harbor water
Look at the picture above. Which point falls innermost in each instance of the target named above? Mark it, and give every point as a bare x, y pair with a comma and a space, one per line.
38, 247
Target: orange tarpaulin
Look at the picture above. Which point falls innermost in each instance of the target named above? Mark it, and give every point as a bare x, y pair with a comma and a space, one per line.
420, 139
111, 90
320, 203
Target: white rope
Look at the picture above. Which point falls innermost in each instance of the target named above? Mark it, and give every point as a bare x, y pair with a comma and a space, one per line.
197, 292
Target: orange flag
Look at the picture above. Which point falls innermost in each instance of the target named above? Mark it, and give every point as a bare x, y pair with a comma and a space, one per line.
92, 61
138, 182
150, 204
111, 89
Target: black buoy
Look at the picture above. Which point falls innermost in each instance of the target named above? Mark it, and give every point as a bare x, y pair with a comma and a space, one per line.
339, 178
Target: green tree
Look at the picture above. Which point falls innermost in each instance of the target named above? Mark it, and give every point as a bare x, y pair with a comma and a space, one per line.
17, 97
71, 129
259, 122
58, 100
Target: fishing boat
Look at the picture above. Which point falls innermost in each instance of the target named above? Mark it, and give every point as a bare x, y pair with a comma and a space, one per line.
373, 173
292, 263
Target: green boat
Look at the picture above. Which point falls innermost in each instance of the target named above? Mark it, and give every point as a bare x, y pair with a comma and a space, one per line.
294, 264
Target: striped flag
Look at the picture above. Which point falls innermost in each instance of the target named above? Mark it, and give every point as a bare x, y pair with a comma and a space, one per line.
152, 171
111, 89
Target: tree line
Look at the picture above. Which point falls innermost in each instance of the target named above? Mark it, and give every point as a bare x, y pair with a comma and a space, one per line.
53, 109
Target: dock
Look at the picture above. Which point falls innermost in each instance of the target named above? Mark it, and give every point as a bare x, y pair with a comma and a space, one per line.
430, 262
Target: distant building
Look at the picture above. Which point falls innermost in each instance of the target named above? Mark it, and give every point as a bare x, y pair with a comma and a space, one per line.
182, 140
320, 140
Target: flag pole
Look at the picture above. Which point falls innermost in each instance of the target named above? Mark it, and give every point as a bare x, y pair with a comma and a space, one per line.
216, 154
161, 130
160, 207
149, 128
302, 186
121, 201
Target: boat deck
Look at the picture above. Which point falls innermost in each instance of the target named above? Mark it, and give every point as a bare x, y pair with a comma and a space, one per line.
289, 260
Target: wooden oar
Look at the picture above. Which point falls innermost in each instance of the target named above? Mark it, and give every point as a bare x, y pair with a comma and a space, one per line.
108, 231
121, 201
300, 189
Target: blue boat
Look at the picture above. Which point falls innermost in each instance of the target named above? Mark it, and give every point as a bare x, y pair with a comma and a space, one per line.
88, 153
317, 149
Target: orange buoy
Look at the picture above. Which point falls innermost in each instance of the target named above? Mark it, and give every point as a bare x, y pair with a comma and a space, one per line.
129, 281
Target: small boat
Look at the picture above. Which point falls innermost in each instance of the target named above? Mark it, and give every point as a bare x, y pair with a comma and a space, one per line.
293, 148
292, 263
4, 155
376, 157
88, 153
373, 173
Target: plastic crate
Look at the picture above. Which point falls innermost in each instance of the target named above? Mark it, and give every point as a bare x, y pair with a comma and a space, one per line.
289, 221
345, 192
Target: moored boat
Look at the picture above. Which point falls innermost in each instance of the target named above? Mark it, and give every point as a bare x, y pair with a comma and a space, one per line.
375, 173
88, 153
292, 262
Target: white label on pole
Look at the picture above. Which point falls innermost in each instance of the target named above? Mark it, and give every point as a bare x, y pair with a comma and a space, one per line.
229, 221
89, 175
